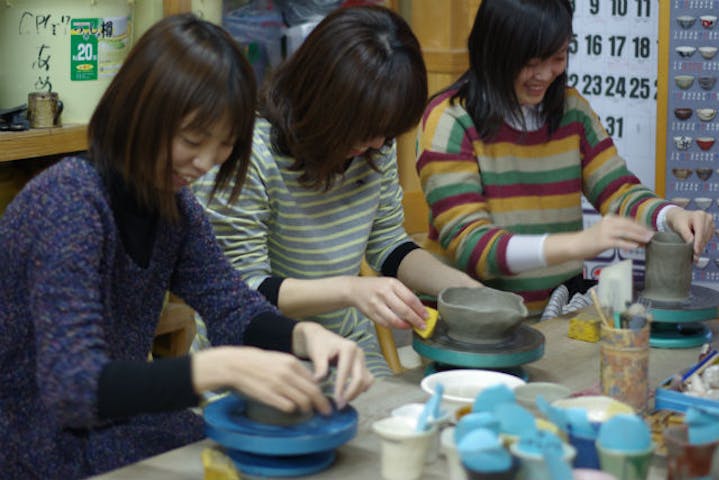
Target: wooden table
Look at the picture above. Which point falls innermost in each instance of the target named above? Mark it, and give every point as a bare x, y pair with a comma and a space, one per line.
570, 362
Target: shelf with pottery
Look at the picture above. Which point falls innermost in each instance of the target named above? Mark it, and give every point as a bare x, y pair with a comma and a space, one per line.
41, 142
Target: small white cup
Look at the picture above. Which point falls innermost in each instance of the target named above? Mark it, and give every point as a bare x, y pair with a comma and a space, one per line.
449, 449
412, 411
404, 449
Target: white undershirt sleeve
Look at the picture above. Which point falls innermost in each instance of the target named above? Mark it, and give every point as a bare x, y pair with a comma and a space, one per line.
662, 218
526, 252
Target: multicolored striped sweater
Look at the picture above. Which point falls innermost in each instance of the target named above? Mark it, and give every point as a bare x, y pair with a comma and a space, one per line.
480, 193
279, 228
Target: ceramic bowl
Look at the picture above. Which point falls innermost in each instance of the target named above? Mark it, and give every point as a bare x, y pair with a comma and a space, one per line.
702, 262
706, 114
708, 52
685, 51
716, 260
686, 21
480, 315
684, 81
705, 143
707, 82
681, 173
683, 113
526, 395
708, 21
703, 203
682, 142
681, 201
703, 173
462, 386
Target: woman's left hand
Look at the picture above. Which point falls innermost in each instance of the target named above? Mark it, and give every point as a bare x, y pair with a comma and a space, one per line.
311, 340
692, 225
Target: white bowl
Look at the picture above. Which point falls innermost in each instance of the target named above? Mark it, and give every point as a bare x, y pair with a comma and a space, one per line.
708, 52
706, 114
686, 51
702, 262
703, 202
681, 201
462, 386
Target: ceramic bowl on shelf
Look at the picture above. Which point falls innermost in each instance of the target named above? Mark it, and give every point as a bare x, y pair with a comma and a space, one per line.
683, 113
703, 203
708, 21
686, 21
682, 142
707, 82
705, 143
708, 52
706, 114
681, 201
686, 51
703, 173
681, 173
684, 81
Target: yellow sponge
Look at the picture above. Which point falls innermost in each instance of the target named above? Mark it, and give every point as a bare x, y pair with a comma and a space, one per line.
585, 325
430, 323
218, 466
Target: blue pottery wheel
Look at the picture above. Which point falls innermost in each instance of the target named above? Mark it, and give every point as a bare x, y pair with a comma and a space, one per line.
271, 450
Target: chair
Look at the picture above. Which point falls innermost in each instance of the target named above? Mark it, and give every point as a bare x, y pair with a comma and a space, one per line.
416, 213
175, 329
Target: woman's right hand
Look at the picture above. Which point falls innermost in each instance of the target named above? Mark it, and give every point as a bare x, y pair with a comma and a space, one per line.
387, 301
611, 231
278, 379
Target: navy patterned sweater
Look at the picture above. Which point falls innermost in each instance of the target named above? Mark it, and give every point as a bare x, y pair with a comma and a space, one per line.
72, 300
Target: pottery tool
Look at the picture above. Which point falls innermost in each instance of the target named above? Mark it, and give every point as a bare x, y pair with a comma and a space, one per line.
699, 367
473, 421
626, 433
598, 307
429, 323
481, 451
492, 397
431, 411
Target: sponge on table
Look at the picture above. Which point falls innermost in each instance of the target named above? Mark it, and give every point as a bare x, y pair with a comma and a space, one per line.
218, 466
430, 323
585, 325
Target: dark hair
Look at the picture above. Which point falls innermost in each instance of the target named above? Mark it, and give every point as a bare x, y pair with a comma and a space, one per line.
359, 75
181, 66
505, 36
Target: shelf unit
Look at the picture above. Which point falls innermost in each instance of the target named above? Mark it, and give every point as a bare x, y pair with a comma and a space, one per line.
41, 142
68, 138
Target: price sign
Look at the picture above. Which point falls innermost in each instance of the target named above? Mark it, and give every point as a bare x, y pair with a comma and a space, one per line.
84, 34
613, 64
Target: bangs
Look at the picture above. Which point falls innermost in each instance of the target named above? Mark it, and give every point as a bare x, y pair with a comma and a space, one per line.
541, 30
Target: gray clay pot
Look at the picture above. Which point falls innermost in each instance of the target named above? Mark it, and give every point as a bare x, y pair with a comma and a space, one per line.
480, 315
263, 413
668, 271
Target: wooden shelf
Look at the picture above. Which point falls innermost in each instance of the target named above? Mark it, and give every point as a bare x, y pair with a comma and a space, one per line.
41, 142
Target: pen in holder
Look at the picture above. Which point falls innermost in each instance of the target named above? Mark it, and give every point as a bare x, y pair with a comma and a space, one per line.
624, 361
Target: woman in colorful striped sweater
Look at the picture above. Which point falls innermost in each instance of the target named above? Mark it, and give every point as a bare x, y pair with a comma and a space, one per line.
506, 153
322, 190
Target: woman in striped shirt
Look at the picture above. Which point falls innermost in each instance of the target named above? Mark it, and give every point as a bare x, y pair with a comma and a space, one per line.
322, 190
506, 153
